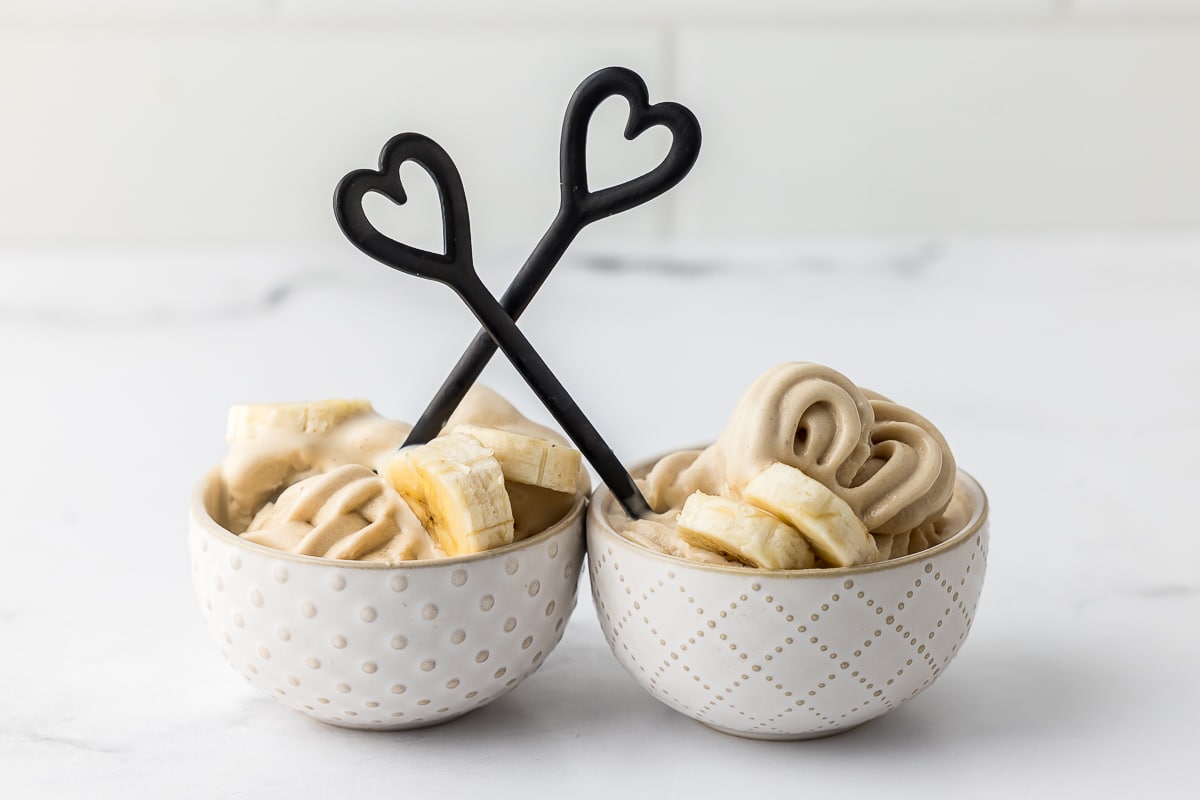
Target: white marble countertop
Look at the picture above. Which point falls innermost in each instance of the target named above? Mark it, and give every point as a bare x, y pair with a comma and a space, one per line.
1063, 370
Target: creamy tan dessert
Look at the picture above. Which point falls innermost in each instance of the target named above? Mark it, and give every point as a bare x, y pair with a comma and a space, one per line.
328, 479
811, 471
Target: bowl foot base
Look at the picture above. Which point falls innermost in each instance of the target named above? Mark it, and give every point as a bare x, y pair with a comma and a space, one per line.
780, 737
388, 726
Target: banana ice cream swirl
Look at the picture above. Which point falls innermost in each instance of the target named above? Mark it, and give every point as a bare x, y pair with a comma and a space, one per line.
804, 415
891, 469
328, 479
348, 513
909, 478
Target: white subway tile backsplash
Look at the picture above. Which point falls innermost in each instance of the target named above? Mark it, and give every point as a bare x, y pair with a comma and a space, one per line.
1016, 128
219, 120
215, 134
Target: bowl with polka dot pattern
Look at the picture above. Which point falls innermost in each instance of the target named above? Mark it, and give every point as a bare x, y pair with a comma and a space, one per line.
381, 646
776, 654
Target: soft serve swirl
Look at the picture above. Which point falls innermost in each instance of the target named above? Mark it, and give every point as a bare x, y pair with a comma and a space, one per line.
305, 478
890, 465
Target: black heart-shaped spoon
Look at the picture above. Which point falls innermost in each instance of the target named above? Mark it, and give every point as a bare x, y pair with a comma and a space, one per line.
456, 266
578, 207
456, 269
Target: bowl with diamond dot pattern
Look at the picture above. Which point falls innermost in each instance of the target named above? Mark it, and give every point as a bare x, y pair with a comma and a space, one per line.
381, 646
776, 654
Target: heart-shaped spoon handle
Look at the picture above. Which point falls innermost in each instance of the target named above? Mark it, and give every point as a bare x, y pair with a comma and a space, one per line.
578, 207
448, 267
577, 200
456, 269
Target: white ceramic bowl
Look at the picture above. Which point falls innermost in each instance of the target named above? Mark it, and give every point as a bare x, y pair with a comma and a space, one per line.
377, 646
786, 654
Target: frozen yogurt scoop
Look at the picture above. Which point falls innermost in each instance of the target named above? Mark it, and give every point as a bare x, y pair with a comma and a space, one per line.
811, 469
328, 479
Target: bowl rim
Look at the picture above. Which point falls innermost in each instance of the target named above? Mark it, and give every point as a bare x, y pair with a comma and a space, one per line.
201, 518
597, 521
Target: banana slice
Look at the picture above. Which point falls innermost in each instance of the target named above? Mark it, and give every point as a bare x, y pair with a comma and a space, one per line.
528, 459
456, 488
247, 421
824, 519
742, 532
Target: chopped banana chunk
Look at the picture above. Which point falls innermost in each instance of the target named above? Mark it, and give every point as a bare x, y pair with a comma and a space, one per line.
528, 459
743, 533
836, 534
456, 488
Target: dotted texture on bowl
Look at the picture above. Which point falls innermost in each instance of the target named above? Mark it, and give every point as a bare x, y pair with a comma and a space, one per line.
386, 648
784, 657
